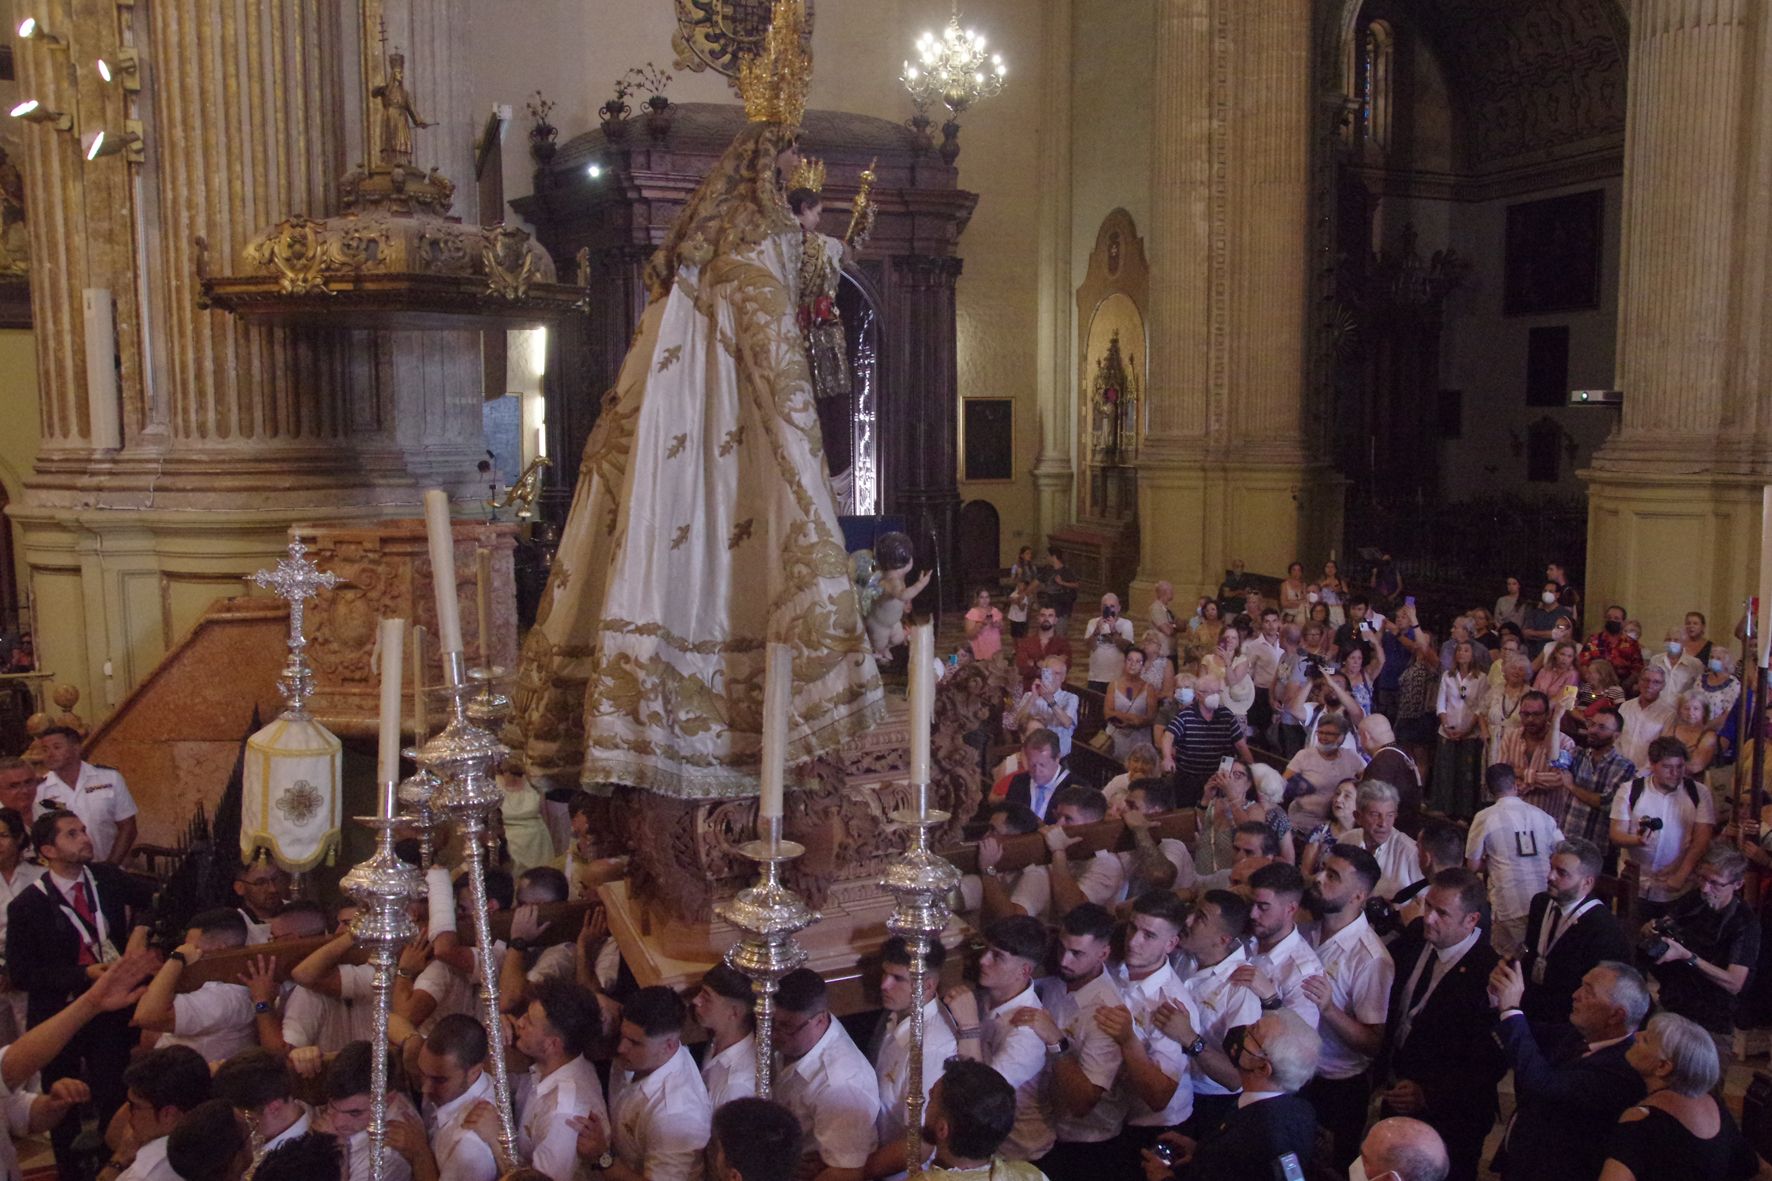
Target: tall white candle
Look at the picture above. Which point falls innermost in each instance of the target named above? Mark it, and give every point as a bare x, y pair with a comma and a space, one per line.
393, 665
437, 532
1765, 573
421, 728
778, 691
922, 677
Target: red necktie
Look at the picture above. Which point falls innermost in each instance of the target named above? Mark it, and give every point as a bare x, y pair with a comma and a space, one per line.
83, 908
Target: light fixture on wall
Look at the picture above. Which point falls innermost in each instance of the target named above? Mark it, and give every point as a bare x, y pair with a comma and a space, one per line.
954, 69
124, 68
128, 145
30, 30
32, 111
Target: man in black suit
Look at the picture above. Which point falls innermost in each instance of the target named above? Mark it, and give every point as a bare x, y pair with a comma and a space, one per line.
1035, 787
1274, 1058
1444, 1063
63, 932
1570, 1095
1568, 931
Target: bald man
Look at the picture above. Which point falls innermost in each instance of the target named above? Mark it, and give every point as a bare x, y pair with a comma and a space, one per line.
1402, 1149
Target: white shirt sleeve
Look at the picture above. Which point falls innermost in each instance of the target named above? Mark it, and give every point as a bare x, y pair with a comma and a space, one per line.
302, 1015
17, 1105
1445, 704
1102, 879
1473, 844
673, 1144
1369, 998
1098, 1055
556, 1149
843, 1125
356, 982
1707, 806
122, 803
1033, 891
211, 1010
468, 1160
1021, 1056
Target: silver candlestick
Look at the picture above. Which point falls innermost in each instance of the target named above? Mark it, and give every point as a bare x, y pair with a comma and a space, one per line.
489, 708
296, 580
770, 915
465, 759
920, 881
417, 795
383, 886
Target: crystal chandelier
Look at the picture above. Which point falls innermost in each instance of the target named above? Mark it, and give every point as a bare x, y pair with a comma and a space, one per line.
953, 69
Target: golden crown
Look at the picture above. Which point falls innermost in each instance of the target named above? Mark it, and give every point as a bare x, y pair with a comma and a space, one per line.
773, 80
809, 175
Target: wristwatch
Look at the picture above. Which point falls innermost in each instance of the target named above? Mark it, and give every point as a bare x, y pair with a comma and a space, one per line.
177, 955
261, 1006
1061, 1046
1195, 1047
606, 1160
1272, 1003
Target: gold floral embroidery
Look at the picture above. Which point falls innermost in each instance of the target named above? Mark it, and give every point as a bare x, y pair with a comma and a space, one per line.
741, 533
681, 537
676, 447
670, 357
734, 438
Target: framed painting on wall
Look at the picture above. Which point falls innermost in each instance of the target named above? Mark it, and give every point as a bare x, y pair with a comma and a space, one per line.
989, 439
1552, 253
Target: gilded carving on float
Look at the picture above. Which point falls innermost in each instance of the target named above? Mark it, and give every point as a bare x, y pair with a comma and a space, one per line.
394, 257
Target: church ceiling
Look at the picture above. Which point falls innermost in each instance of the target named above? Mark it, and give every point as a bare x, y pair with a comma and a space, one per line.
1535, 77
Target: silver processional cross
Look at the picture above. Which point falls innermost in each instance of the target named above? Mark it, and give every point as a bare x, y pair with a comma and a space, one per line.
295, 580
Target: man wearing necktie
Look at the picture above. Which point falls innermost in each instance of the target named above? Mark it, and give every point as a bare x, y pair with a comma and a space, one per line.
1444, 1063
62, 933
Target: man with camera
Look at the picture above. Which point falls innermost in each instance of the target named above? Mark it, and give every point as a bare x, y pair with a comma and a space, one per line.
1664, 823
1108, 638
1704, 948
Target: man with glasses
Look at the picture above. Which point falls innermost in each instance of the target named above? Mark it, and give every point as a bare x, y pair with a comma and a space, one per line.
827, 1082
1712, 942
349, 1084
1538, 752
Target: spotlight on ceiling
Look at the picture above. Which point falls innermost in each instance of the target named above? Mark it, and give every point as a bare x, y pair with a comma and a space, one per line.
32, 111
30, 30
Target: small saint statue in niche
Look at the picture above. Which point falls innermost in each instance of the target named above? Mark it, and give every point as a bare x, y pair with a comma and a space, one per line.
398, 116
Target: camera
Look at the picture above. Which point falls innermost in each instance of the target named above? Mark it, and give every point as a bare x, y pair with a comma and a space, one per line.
1654, 946
1382, 916
1566, 760
1166, 1153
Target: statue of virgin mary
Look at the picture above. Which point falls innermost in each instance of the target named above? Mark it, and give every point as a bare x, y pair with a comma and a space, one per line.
703, 526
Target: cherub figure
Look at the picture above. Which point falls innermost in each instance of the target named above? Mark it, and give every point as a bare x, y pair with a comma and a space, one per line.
885, 595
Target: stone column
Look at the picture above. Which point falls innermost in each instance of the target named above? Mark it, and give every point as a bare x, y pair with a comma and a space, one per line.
1225, 472
1053, 474
1683, 472
151, 500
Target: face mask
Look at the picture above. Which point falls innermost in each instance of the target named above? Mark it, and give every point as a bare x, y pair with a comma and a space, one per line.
1633, 635
1328, 751
1673, 647
1314, 597
1211, 702
1185, 694
1716, 666
1549, 597
1613, 627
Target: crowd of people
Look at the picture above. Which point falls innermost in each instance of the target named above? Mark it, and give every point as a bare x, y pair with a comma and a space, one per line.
1330, 933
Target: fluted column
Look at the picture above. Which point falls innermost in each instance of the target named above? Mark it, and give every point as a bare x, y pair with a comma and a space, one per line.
1224, 471
1684, 470
1053, 475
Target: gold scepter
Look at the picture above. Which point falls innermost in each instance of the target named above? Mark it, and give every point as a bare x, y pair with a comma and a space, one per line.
861, 219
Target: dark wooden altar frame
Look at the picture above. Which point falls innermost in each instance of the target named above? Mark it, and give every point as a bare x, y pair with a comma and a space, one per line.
909, 266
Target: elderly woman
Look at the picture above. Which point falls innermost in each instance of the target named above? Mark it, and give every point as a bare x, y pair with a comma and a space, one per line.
1719, 686
1691, 725
1501, 711
1343, 806
1142, 762
1681, 1129
1130, 707
1458, 764
1267, 805
1321, 765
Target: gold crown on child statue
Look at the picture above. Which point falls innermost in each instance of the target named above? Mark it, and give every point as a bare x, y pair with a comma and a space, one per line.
809, 175
773, 81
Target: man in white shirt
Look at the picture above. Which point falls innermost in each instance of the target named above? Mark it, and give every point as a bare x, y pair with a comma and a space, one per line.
1399, 864
217, 1018
1642, 718
1155, 1080
1265, 651
1213, 942
162, 1086
892, 1068
659, 1113
1086, 1061
349, 1083
451, 982
822, 1078
257, 1085
1664, 823
1107, 638
331, 1002
561, 1085
996, 894
1282, 958
1510, 844
452, 1077
725, 1006
1101, 877
1681, 667
1146, 798
1015, 950
1352, 995
97, 795
262, 888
